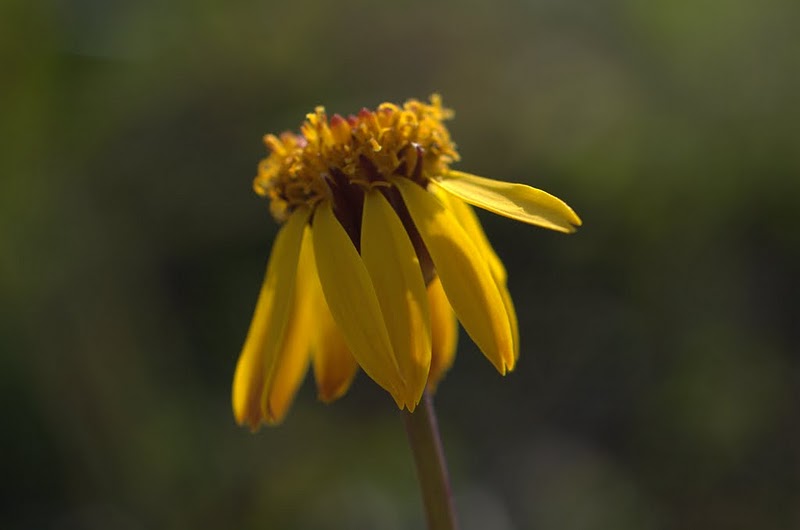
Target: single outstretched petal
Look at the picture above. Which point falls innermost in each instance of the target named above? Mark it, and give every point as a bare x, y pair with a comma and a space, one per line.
353, 302
293, 356
517, 201
266, 331
334, 365
444, 333
465, 274
394, 269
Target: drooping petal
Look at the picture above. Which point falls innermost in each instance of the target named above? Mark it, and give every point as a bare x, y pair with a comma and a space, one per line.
334, 365
444, 333
465, 274
291, 363
508, 303
397, 277
472, 225
517, 201
469, 221
266, 331
353, 302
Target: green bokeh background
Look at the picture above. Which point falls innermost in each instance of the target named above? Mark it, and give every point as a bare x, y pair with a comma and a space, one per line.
658, 384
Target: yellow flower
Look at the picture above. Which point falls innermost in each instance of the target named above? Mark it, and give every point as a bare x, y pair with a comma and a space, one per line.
378, 254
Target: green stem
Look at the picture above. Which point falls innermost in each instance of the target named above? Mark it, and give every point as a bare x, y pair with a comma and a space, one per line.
426, 445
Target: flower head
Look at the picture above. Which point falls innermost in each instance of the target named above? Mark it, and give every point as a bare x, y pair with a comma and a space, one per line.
378, 254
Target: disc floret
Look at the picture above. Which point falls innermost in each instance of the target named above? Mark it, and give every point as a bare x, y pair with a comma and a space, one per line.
363, 150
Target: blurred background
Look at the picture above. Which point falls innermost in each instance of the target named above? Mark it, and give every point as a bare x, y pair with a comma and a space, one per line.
658, 384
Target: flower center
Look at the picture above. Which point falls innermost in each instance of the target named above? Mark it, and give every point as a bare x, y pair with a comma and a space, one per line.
339, 159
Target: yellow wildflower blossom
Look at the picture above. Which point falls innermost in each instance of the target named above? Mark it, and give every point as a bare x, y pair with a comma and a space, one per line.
379, 252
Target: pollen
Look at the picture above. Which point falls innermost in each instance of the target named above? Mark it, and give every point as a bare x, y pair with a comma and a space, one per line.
336, 158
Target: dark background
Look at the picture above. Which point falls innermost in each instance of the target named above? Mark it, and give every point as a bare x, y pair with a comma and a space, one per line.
658, 383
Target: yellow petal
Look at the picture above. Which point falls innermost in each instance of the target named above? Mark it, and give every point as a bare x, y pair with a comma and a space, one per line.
472, 225
444, 333
334, 365
397, 277
291, 363
516, 201
269, 320
353, 302
469, 221
465, 274
508, 303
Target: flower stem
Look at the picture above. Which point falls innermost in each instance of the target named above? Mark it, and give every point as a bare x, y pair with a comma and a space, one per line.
426, 445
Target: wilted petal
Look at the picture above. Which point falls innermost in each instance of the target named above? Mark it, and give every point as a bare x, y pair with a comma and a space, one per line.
517, 201
466, 276
444, 333
396, 275
353, 302
265, 337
